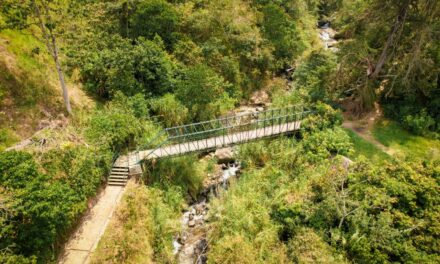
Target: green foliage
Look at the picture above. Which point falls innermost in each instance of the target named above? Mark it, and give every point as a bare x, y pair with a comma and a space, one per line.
420, 123
17, 169
314, 75
188, 52
78, 167
154, 17
121, 66
240, 220
39, 209
405, 143
417, 113
324, 144
309, 247
7, 137
117, 126
136, 104
169, 110
203, 92
322, 116
16, 259
184, 172
324, 208
142, 228
389, 46
282, 32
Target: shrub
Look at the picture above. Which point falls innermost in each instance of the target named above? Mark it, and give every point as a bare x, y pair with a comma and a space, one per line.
184, 172
169, 110
282, 32
17, 169
83, 169
420, 124
116, 127
136, 104
8, 258
323, 116
203, 92
40, 209
308, 247
324, 144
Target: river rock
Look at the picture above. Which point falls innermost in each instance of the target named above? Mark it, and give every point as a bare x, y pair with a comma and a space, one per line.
260, 98
199, 209
224, 155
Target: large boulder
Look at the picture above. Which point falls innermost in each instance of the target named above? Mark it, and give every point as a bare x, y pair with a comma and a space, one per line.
224, 155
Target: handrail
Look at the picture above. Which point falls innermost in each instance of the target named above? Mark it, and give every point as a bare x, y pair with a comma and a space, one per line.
223, 126
283, 112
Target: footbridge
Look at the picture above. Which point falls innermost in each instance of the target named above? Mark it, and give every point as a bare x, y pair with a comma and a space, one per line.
217, 133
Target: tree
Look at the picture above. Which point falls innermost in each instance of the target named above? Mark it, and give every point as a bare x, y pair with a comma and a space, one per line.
282, 32
203, 92
391, 53
154, 17
47, 26
44, 13
132, 68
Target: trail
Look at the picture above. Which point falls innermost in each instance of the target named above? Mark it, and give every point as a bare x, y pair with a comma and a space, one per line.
364, 126
365, 133
85, 239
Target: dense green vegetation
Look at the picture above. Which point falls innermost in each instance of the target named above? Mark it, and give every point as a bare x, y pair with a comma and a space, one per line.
301, 202
44, 192
149, 64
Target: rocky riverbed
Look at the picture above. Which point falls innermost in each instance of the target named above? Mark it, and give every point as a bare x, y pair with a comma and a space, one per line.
191, 244
327, 36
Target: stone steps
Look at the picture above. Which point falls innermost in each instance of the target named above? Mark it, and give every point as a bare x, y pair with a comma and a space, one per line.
118, 176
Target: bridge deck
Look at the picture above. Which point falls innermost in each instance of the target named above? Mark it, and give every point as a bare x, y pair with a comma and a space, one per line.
134, 158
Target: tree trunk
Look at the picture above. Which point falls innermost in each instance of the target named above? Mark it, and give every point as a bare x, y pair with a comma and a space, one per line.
401, 17
51, 45
61, 75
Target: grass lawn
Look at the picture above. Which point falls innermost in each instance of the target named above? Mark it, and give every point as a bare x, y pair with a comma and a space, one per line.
366, 149
405, 144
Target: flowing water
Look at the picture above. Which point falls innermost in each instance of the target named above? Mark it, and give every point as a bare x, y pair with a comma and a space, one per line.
191, 245
327, 34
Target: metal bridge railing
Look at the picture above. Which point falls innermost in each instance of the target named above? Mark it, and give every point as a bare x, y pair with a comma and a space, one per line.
225, 126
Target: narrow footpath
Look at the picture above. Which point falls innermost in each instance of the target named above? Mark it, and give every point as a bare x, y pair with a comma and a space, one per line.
85, 239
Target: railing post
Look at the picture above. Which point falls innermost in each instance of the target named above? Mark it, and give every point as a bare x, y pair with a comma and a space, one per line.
272, 121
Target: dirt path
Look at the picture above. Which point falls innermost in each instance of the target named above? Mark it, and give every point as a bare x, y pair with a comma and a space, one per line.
363, 127
365, 133
85, 239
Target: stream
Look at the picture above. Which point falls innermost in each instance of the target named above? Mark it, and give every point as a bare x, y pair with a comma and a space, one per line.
327, 36
191, 244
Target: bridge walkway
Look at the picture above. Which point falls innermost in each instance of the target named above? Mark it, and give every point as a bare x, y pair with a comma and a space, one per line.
207, 144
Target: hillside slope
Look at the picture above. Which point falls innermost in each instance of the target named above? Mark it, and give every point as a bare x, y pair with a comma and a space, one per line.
30, 97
